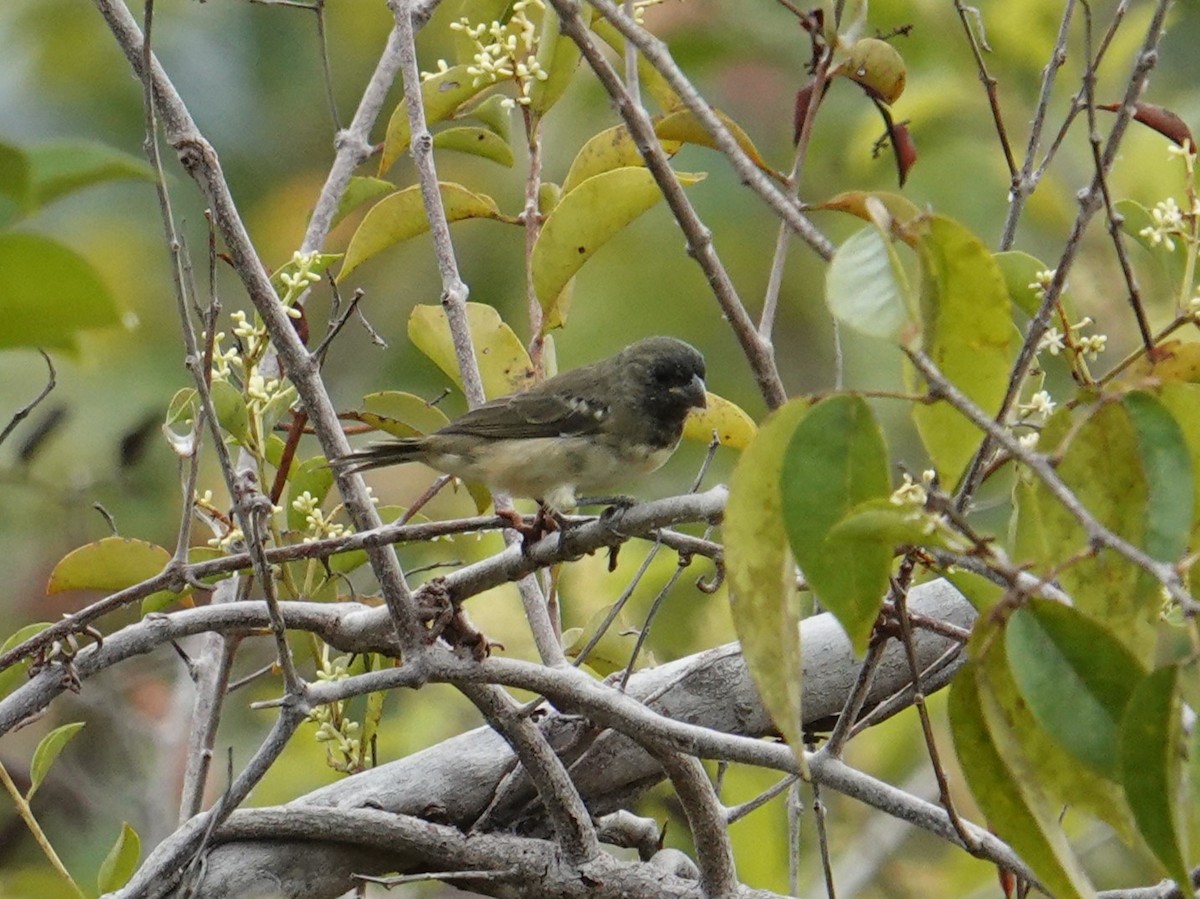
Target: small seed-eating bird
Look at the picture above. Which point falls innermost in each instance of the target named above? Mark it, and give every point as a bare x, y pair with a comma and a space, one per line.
586, 429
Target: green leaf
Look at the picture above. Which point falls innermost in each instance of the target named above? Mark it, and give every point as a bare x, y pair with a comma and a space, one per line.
64, 168
1167, 463
122, 860
762, 578
441, 95
1129, 465
837, 459
182, 407
1039, 751
495, 114
1076, 678
1005, 791
49, 293
884, 522
1019, 270
401, 414
612, 651
1152, 749
402, 216
477, 142
612, 148
361, 190
1134, 219
47, 751
558, 56
161, 599
1183, 402
232, 414
15, 674
504, 363
967, 332
584, 220
113, 563
865, 286
346, 562
683, 127
15, 191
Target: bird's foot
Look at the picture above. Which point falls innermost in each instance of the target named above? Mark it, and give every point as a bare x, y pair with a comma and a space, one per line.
544, 522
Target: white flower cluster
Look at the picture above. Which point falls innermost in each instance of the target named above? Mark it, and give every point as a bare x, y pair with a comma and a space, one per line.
1089, 346
506, 50
339, 733
316, 523
910, 493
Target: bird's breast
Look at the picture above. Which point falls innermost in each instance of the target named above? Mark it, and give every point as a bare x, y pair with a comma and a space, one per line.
536, 466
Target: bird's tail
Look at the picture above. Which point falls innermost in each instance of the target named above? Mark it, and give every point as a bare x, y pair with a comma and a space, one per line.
380, 455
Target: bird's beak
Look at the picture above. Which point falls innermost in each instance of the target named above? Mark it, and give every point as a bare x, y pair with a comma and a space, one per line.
695, 393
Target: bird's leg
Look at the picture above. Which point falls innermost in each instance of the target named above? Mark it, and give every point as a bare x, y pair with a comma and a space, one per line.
543, 523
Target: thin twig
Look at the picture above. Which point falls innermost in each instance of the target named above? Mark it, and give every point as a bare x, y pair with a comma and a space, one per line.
699, 237
24, 411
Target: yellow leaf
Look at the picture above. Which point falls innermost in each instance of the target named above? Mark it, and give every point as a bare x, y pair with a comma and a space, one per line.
732, 426
504, 364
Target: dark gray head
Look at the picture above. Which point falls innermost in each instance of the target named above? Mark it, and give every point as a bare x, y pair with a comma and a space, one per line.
666, 376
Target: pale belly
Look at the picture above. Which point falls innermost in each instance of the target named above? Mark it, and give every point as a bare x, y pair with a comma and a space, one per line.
549, 468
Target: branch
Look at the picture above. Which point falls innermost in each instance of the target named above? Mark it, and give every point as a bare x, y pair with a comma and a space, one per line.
200, 160
711, 690
700, 244
650, 520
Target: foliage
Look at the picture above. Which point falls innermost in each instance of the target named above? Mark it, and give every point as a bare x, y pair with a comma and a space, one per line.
970, 427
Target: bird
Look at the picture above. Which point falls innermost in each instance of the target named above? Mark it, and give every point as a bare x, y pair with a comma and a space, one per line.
589, 428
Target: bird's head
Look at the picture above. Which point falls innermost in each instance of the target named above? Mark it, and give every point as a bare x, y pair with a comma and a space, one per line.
667, 377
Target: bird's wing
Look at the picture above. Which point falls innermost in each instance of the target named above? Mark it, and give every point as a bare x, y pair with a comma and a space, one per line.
535, 413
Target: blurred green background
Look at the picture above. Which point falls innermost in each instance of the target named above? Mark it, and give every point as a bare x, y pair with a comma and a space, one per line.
252, 77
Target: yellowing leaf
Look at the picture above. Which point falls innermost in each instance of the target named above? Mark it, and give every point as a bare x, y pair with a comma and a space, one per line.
584, 220
441, 94
504, 364
113, 563
877, 66
612, 148
683, 126
732, 426
402, 215
648, 76
1006, 792
901, 208
401, 414
967, 331
762, 578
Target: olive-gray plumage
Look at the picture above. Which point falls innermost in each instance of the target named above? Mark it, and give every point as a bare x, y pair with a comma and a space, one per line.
586, 429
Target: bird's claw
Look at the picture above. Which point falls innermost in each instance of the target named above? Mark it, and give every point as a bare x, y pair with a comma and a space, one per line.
544, 522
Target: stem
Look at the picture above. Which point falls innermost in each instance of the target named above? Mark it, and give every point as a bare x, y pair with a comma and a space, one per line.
39, 835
